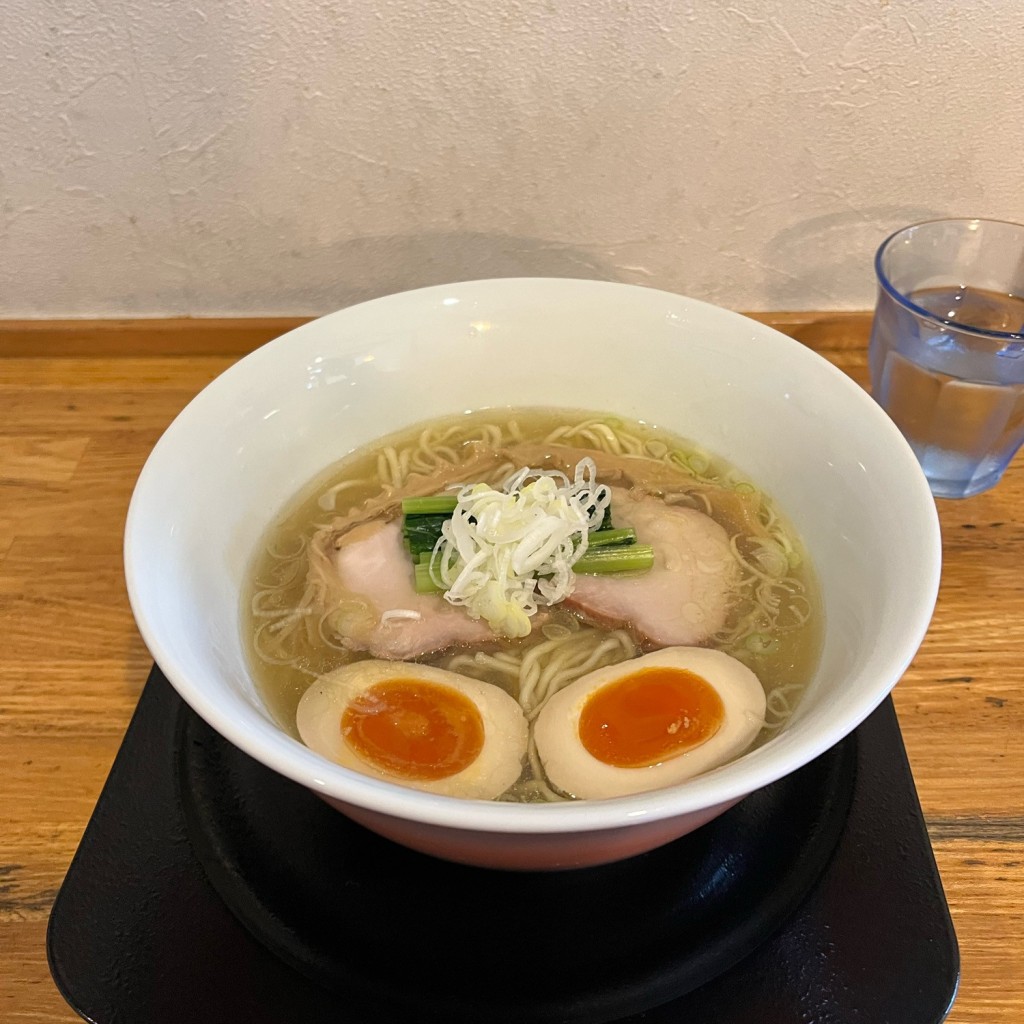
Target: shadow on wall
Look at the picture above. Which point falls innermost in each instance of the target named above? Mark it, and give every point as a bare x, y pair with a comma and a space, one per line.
343, 273
814, 263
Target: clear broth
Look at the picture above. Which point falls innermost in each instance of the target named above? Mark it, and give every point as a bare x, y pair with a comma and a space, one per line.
783, 656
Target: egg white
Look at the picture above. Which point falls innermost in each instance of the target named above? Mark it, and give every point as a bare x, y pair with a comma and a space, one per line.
574, 770
497, 766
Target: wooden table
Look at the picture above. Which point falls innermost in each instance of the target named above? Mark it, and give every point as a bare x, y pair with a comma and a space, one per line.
80, 407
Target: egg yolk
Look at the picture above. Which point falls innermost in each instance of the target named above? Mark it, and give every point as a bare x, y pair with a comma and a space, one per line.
414, 729
650, 716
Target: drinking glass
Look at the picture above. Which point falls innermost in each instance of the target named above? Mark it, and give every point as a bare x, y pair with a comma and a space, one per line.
947, 347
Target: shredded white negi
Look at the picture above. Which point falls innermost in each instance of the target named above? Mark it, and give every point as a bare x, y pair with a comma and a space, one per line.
506, 552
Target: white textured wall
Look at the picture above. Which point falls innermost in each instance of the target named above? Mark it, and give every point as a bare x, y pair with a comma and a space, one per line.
291, 156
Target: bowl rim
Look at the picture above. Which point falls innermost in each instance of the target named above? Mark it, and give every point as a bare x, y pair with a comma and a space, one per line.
251, 732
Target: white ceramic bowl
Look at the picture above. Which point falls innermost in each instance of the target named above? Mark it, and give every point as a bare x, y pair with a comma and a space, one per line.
802, 430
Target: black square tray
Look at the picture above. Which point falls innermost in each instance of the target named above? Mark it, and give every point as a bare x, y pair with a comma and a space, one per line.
179, 906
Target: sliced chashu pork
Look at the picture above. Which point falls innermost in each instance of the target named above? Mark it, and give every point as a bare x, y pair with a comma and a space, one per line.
371, 561
685, 597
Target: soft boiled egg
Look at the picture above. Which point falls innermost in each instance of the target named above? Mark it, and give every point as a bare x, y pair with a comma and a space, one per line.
648, 723
416, 726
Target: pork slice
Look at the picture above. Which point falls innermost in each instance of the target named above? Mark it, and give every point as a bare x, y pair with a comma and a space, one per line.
372, 562
685, 597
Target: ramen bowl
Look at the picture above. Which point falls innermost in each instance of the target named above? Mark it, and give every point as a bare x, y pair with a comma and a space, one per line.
804, 432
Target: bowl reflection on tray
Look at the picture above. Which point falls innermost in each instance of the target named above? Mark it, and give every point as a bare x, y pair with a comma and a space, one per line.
344, 908
803, 431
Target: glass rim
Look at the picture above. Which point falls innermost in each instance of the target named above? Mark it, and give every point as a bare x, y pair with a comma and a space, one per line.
895, 293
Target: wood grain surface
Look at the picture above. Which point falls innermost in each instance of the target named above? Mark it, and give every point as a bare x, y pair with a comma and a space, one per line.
81, 405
